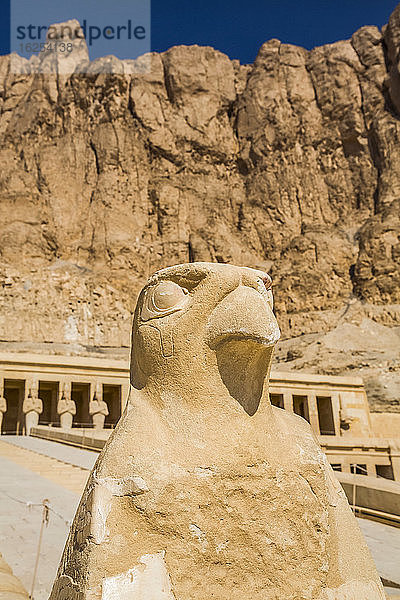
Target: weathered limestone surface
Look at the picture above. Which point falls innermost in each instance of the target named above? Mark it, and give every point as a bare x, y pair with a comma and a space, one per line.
290, 164
206, 490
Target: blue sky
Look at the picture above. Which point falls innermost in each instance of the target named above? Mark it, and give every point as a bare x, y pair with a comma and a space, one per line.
238, 27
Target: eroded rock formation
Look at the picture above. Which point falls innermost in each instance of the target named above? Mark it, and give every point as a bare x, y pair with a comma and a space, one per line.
291, 164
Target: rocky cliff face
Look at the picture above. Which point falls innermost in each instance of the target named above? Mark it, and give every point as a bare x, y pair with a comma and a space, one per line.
291, 164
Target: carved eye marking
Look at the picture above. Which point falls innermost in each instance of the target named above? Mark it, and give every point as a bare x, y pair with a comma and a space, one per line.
163, 299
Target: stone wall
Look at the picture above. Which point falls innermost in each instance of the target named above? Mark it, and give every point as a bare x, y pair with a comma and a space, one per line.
386, 425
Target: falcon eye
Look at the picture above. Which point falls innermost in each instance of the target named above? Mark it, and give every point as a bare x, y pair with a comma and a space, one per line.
166, 295
163, 299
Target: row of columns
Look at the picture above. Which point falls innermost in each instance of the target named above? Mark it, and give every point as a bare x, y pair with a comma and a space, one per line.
313, 408
349, 461
32, 406
340, 416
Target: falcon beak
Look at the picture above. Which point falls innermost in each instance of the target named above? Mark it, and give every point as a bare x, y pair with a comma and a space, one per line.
243, 331
245, 314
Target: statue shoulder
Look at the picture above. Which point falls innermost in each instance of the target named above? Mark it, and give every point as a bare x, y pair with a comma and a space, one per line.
294, 424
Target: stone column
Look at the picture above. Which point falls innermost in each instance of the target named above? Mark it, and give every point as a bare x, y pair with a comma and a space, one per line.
288, 401
98, 409
336, 412
346, 465
395, 458
371, 469
66, 407
3, 402
313, 413
32, 406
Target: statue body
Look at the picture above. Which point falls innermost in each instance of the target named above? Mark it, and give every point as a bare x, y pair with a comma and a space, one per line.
98, 410
32, 407
3, 409
204, 489
66, 408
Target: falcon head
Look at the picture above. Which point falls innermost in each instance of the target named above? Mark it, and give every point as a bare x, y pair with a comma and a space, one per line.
208, 327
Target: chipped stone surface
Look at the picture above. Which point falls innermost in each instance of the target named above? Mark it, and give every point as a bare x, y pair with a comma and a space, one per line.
102, 492
147, 581
235, 492
123, 487
355, 590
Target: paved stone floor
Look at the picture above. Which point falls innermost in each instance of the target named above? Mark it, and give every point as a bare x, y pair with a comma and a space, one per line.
68, 454
32, 469
384, 544
20, 524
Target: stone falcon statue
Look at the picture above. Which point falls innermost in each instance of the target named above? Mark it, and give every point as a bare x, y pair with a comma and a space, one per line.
205, 490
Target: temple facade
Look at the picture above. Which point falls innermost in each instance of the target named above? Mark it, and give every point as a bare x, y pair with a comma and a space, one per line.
72, 392
354, 439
